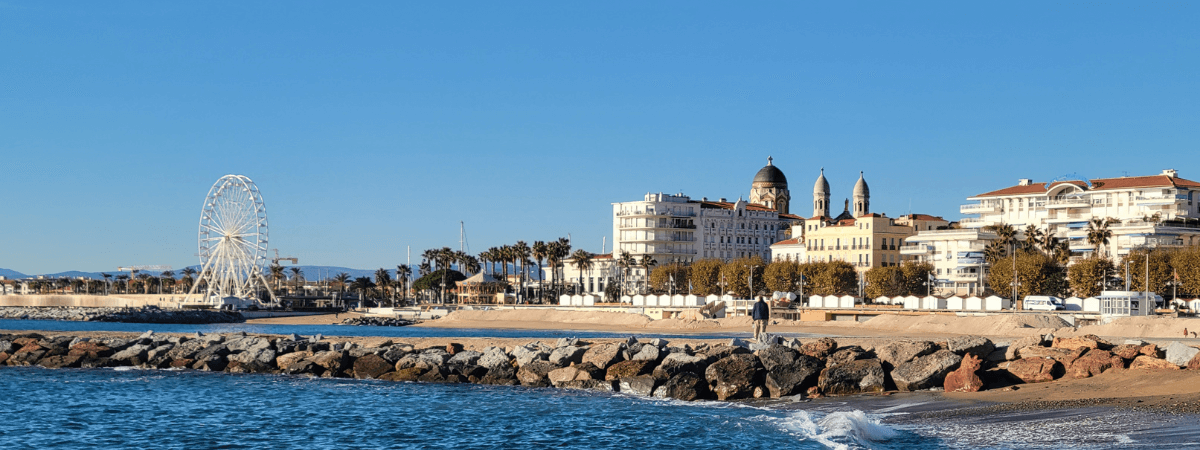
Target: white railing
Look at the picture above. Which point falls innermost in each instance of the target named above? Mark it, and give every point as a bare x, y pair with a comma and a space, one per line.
1068, 202
976, 222
975, 208
914, 249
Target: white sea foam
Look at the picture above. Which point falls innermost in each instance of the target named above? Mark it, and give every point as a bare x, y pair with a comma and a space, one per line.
839, 429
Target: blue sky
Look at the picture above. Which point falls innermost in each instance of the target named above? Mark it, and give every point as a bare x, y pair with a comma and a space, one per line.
370, 127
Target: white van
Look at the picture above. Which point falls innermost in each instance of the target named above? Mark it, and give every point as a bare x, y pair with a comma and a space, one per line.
1043, 303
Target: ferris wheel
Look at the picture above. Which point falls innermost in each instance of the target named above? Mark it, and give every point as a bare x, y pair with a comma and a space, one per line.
232, 240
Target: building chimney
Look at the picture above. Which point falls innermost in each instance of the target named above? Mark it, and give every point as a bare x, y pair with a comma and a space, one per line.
722, 200
1024, 182
1171, 173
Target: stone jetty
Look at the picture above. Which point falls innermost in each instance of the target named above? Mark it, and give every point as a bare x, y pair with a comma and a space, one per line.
377, 321
736, 369
133, 315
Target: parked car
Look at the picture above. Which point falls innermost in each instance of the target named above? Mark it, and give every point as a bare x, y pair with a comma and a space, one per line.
1043, 303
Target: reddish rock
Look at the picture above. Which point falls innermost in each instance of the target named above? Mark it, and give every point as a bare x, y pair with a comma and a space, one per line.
409, 374
1127, 351
1088, 341
1093, 363
814, 392
1194, 364
453, 348
1146, 362
1152, 351
820, 348
1034, 370
964, 378
1061, 355
182, 363
89, 349
29, 348
60, 361
23, 341
3, 357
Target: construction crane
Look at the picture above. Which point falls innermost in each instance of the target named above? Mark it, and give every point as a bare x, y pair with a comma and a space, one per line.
277, 259
133, 270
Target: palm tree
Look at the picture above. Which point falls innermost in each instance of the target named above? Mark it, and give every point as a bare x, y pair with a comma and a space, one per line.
1005, 232
444, 258
1098, 233
383, 279
189, 278
403, 273
646, 263
521, 253
583, 261
107, 282
626, 262
121, 282
1033, 236
341, 280
363, 285
538, 252
276, 274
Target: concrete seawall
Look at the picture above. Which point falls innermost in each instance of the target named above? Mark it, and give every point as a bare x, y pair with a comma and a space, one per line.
95, 301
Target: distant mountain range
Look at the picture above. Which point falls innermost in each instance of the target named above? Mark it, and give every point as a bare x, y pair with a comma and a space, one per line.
310, 273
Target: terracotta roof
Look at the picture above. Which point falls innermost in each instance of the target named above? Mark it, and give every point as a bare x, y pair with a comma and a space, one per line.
789, 241
790, 216
924, 217
872, 215
1136, 182
1035, 188
605, 256
1098, 184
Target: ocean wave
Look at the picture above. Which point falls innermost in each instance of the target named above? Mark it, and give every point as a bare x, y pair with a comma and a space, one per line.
839, 429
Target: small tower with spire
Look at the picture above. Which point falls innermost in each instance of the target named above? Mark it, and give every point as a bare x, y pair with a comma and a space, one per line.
821, 196
770, 189
862, 197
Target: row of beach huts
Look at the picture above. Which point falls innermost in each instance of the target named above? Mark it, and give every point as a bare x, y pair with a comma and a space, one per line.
956, 303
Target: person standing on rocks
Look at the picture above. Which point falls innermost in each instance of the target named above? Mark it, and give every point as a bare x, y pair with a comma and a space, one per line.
760, 314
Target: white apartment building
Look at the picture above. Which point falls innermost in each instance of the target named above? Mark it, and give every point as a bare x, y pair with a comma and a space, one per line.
675, 228
1149, 211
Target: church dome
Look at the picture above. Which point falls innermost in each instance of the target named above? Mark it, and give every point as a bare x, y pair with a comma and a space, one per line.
770, 174
860, 188
822, 186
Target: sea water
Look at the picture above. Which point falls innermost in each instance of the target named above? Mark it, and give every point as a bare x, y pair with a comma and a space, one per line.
134, 408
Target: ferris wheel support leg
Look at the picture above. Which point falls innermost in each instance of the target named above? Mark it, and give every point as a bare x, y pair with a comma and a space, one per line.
274, 300
203, 270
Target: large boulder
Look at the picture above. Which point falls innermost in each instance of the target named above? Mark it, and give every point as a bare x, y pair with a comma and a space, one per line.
410, 374
1194, 364
1093, 363
92, 350
975, 345
820, 348
259, 356
1146, 362
60, 361
719, 352
896, 353
1062, 355
1127, 351
133, 355
188, 349
525, 354
494, 357
568, 355
1086, 341
1179, 354
535, 373
603, 355
964, 379
244, 344
470, 357
335, 362
287, 359
647, 353
213, 362
393, 353
1034, 370
434, 356
1015, 346
855, 377
685, 386
371, 366
640, 385
628, 369
578, 372
925, 372
677, 363
734, 376
788, 371
846, 354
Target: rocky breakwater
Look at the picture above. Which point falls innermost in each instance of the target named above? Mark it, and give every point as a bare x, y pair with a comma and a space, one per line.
377, 321
131, 315
728, 371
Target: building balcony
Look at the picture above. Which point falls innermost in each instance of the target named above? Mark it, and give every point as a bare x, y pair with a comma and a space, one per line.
1073, 217
978, 208
973, 222
969, 261
963, 277
1068, 203
654, 213
918, 249
1159, 199
1079, 245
